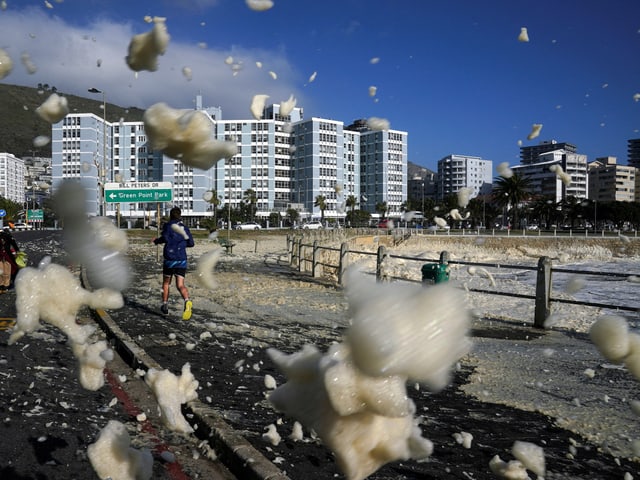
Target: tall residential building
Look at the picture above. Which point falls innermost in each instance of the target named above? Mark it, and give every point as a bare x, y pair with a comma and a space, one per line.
325, 162
263, 161
634, 152
286, 160
464, 171
530, 154
609, 182
546, 183
87, 149
12, 178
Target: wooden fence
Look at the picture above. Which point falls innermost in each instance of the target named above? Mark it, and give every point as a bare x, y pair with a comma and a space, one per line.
309, 258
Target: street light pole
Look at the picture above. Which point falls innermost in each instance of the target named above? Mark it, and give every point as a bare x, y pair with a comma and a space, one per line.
102, 169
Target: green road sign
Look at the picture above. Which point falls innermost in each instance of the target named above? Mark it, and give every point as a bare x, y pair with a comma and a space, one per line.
138, 192
35, 215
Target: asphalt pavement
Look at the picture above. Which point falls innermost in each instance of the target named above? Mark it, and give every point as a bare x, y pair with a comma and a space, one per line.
49, 420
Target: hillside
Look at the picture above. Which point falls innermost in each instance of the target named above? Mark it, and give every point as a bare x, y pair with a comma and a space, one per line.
19, 124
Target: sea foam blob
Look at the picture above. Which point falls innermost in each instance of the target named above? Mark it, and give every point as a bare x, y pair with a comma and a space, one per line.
171, 392
610, 334
6, 64
365, 421
53, 294
185, 135
415, 332
111, 456
53, 109
92, 358
145, 48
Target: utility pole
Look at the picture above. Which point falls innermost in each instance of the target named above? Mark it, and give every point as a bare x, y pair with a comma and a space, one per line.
102, 168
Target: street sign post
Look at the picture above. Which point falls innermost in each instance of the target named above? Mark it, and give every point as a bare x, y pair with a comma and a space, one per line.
138, 192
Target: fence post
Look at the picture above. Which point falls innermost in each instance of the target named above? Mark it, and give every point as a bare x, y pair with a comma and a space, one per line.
290, 249
300, 255
444, 257
342, 264
382, 255
314, 258
543, 292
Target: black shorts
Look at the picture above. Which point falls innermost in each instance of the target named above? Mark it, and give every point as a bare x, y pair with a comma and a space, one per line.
178, 272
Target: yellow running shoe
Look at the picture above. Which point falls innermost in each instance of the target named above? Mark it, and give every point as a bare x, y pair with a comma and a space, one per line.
186, 315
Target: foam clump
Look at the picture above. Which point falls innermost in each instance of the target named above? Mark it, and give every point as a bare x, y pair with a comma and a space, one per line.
531, 456
464, 195
513, 470
92, 358
6, 64
257, 105
145, 48
185, 135
354, 396
112, 456
524, 35
611, 336
271, 435
535, 131
415, 332
362, 441
101, 249
53, 109
375, 123
504, 170
259, 5
561, 174
53, 294
287, 106
205, 267
441, 222
171, 392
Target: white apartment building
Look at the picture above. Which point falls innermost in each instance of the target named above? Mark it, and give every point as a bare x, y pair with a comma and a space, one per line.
546, 183
87, 149
383, 170
464, 171
610, 182
263, 161
287, 161
12, 178
325, 162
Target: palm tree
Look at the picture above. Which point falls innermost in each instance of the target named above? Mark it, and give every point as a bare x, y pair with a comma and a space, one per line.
215, 203
511, 193
251, 198
321, 203
381, 208
351, 203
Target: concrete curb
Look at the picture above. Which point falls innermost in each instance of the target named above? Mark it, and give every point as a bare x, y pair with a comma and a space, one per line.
235, 452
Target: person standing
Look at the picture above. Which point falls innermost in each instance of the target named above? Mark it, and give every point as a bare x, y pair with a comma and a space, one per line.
8, 266
176, 238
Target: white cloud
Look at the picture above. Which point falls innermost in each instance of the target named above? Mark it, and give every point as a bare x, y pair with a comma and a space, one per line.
67, 57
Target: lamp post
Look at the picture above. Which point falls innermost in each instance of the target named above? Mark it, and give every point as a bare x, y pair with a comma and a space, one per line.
102, 169
423, 202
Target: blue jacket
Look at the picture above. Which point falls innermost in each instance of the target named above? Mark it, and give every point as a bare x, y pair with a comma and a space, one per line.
175, 245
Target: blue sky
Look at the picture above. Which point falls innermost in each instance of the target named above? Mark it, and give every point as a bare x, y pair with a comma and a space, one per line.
452, 73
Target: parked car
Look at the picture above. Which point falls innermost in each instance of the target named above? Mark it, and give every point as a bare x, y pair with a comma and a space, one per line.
22, 226
532, 227
385, 223
313, 226
248, 226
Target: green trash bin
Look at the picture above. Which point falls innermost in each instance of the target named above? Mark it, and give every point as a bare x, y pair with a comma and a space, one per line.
435, 273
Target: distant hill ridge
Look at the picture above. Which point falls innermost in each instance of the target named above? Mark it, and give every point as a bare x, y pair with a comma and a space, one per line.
19, 124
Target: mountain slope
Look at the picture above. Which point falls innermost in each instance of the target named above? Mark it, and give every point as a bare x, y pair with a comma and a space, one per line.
19, 124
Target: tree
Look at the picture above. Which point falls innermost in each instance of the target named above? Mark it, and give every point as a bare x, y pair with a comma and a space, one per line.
251, 198
511, 193
12, 208
293, 215
381, 208
321, 203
